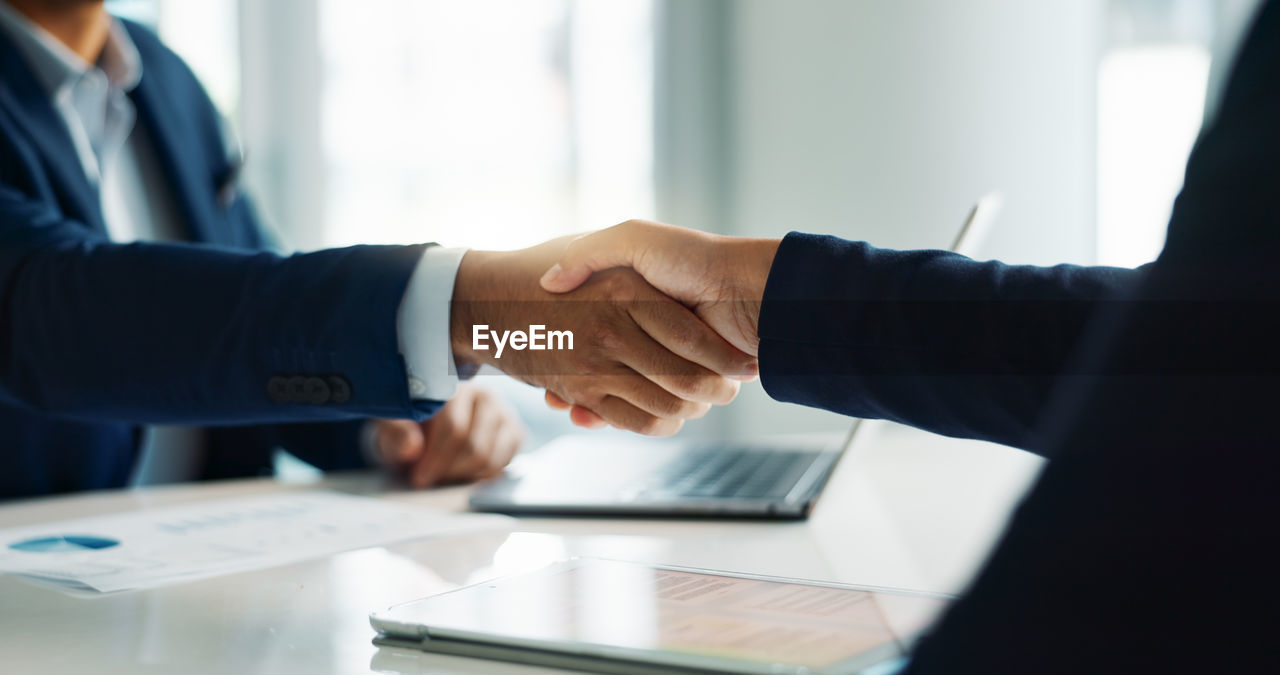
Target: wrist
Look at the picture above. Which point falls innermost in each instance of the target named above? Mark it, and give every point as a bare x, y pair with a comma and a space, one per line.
474, 281
489, 290
494, 288
755, 259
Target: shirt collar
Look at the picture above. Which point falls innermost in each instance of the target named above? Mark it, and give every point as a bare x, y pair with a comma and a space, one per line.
56, 66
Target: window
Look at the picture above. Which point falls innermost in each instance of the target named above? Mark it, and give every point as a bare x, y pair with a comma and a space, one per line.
1151, 93
488, 123
204, 33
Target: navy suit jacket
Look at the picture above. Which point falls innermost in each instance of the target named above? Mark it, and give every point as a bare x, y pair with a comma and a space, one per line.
98, 338
1149, 543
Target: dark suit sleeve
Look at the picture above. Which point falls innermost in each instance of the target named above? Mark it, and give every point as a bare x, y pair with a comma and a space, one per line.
193, 334
1149, 544
244, 451
926, 338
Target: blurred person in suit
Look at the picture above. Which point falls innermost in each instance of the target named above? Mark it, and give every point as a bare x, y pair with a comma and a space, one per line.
1148, 542
149, 332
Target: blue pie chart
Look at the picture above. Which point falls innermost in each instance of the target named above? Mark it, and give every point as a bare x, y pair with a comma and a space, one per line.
70, 543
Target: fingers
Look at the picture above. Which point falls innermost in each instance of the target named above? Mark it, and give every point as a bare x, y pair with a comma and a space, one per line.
399, 442
651, 336
585, 255
555, 402
577, 414
625, 400
682, 333
495, 437
510, 440
647, 395
695, 389
478, 442
473, 436
624, 415
685, 361
585, 418
445, 434
506, 444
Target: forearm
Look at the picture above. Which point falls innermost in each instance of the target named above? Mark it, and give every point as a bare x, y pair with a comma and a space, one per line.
927, 338
158, 333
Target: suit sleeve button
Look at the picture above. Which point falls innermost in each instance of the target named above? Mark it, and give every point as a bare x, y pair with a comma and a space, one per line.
317, 392
278, 389
297, 389
417, 388
339, 389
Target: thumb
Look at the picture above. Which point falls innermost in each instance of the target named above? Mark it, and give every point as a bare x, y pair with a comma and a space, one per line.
400, 442
584, 256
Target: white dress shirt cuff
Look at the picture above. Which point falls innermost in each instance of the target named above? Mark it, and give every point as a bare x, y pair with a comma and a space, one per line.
423, 325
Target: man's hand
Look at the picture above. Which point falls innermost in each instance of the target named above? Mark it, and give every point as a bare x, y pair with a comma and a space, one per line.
640, 360
721, 278
474, 436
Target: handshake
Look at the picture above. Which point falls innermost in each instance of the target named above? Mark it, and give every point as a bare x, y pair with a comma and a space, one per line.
640, 326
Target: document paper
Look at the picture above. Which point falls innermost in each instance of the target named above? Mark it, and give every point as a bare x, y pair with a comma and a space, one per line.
154, 547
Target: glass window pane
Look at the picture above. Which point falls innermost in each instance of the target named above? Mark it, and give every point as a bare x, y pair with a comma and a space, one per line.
489, 123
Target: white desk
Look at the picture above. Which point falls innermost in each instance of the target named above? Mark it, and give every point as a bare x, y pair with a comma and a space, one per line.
904, 509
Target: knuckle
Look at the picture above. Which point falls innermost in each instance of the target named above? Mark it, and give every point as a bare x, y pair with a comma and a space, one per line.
671, 406
598, 386
451, 416
704, 388
607, 338
683, 340
691, 388
619, 285
691, 409
600, 371
584, 393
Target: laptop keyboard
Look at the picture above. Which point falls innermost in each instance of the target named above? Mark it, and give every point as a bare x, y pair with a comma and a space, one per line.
724, 473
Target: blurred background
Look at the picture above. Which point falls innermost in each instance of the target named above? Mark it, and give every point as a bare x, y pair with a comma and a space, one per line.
502, 123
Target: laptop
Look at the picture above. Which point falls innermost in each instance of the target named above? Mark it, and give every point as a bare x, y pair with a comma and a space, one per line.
587, 474
600, 475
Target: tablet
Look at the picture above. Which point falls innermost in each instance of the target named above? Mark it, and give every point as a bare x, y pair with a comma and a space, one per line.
623, 617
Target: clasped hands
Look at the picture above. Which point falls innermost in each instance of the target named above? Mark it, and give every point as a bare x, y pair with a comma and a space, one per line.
663, 320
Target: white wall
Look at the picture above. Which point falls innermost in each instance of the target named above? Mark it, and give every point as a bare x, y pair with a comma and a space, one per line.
885, 121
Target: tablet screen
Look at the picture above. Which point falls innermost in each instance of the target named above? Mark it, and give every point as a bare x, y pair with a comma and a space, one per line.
582, 603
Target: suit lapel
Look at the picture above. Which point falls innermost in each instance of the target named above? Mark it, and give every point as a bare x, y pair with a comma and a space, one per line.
30, 106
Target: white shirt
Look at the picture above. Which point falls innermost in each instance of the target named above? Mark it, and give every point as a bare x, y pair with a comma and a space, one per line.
118, 158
